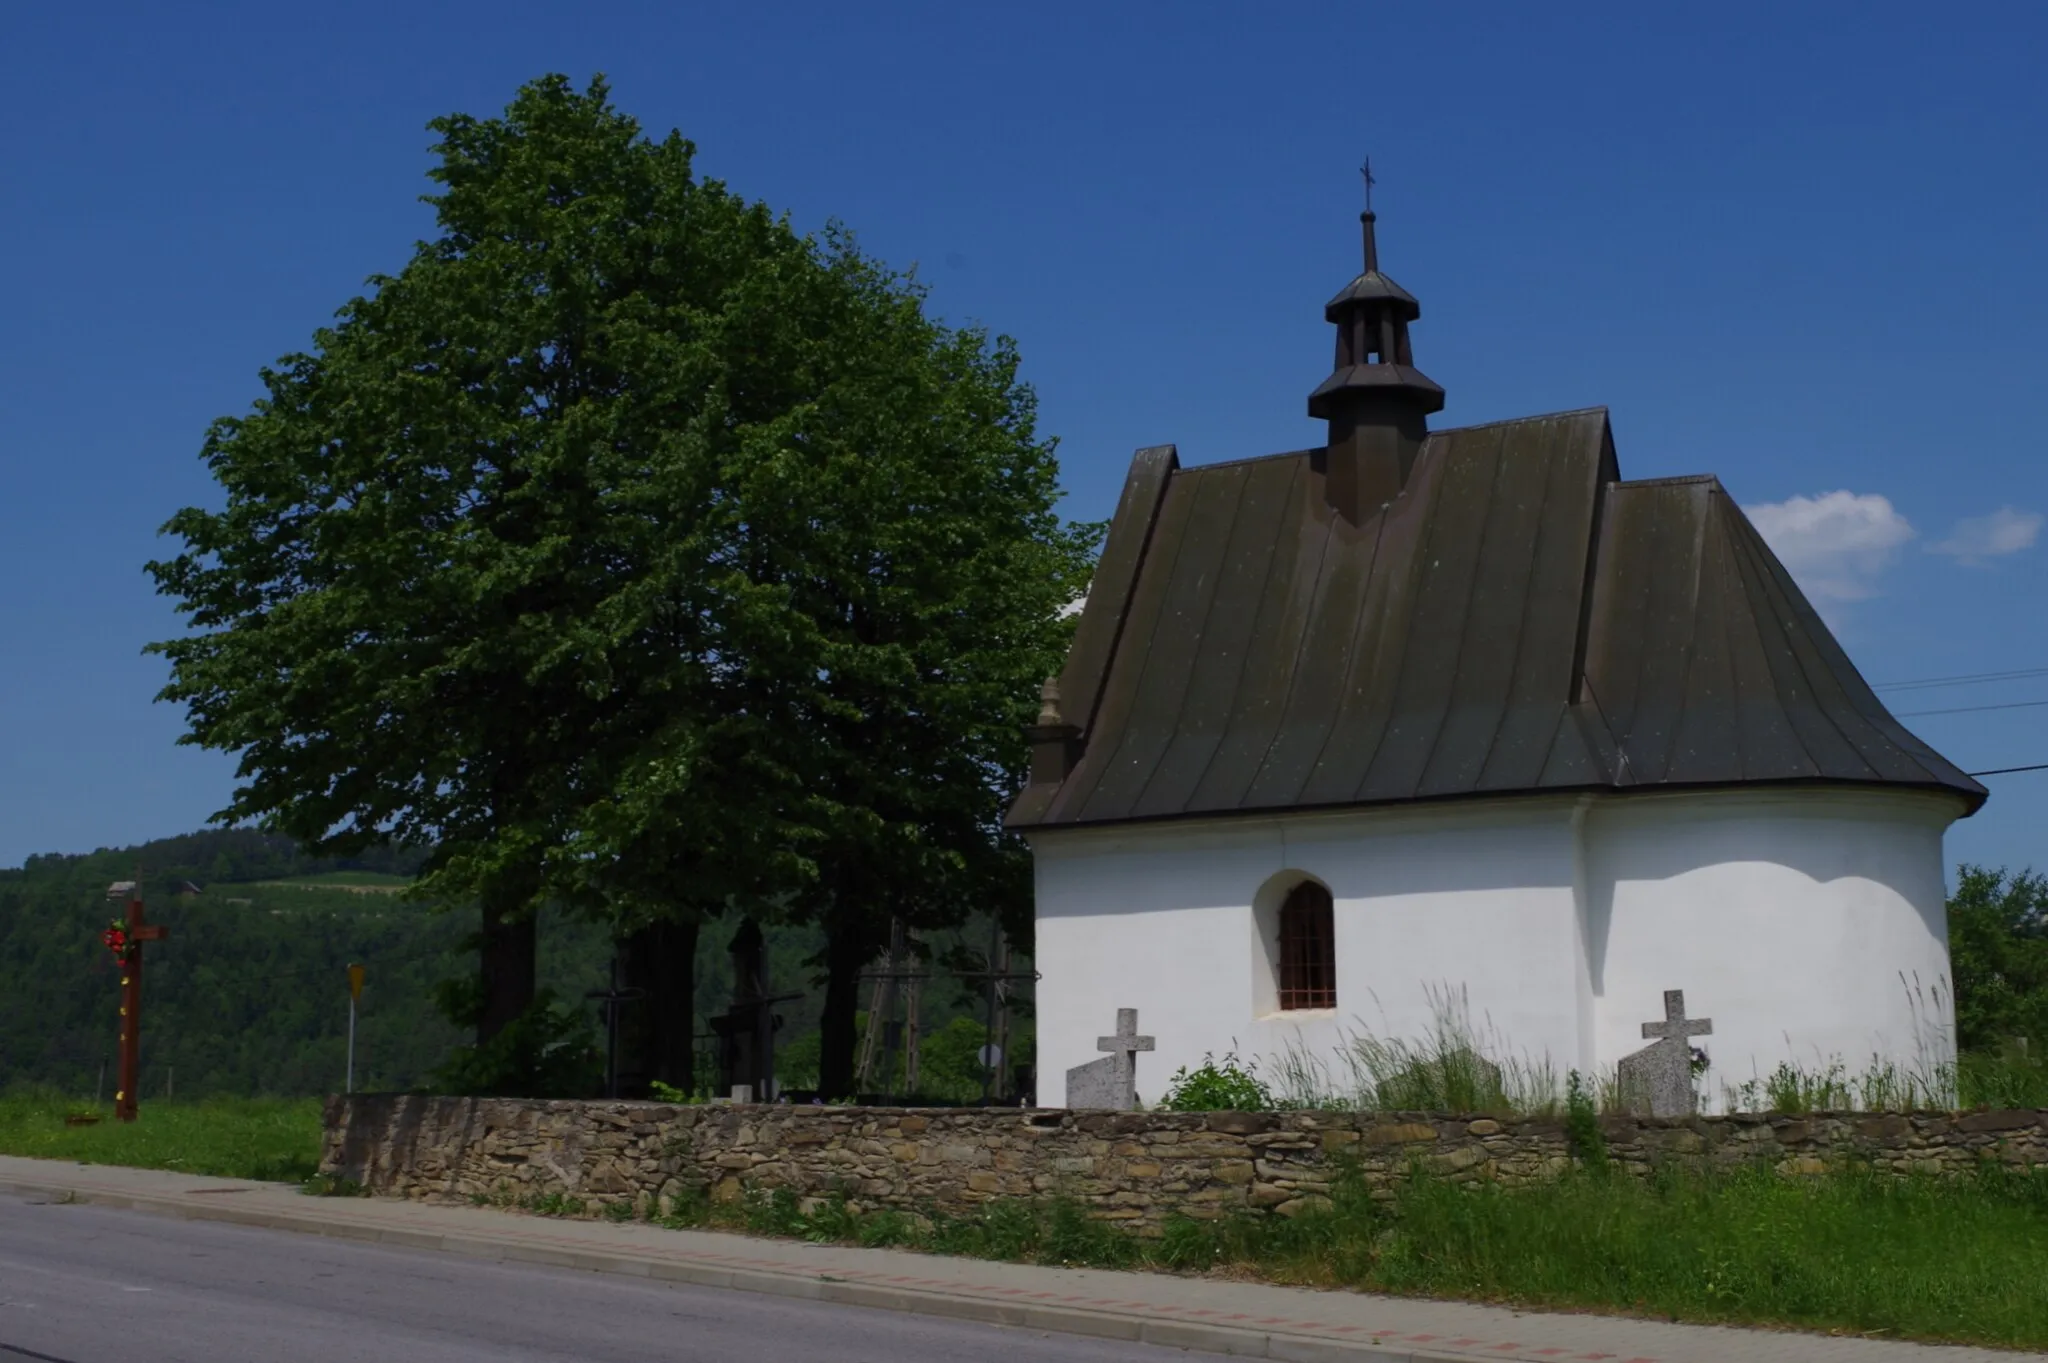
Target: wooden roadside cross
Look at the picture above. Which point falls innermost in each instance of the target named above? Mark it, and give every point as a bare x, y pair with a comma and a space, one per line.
126, 944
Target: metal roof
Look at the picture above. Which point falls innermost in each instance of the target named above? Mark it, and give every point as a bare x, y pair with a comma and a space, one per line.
1516, 621
1373, 285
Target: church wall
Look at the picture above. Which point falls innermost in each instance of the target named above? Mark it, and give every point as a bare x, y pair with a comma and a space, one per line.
1809, 925
1468, 906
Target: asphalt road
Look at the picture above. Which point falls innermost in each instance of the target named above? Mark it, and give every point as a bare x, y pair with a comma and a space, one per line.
82, 1284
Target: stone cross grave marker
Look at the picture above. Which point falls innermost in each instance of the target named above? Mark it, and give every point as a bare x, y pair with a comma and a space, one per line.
1112, 1081
1659, 1076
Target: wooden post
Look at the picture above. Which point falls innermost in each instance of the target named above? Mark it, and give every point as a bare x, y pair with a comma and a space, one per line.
355, 992
140, 930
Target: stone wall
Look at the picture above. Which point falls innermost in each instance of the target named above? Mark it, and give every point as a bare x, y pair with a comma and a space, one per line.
1137, 1167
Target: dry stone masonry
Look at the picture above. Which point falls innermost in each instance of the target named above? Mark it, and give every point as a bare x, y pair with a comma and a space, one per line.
1133, 1167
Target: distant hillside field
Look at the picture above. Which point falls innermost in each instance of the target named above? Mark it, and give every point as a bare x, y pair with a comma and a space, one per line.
352, 882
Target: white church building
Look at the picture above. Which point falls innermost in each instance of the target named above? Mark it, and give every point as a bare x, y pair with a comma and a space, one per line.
1416, 715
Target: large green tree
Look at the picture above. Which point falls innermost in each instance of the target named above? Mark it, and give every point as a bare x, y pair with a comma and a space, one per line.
635, 553
1998, 952
460, 573
911, 573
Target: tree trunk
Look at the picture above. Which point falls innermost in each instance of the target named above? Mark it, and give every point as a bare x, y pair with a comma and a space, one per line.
506, 961
848, 945
659, 1031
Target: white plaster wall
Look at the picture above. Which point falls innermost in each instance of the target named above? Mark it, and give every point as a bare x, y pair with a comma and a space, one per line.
1476, 901
1808, 924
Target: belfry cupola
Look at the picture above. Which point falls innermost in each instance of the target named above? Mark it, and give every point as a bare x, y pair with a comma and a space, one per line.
1376, 401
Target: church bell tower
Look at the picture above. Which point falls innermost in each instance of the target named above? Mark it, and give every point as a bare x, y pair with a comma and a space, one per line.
1376, 401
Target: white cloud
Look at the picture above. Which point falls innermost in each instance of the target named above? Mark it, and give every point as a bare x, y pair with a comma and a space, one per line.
1837, 544
1977, 538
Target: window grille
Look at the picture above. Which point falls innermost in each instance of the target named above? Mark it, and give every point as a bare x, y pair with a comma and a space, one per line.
1308, 955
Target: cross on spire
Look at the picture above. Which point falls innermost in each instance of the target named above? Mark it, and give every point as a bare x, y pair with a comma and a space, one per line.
1366, 171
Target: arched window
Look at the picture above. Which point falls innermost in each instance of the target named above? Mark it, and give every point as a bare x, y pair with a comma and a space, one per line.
1308, 954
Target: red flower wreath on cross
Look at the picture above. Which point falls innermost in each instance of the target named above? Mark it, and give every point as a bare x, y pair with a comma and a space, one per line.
115, 938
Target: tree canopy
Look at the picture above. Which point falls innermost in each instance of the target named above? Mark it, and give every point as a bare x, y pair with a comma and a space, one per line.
1998, 954
634, 552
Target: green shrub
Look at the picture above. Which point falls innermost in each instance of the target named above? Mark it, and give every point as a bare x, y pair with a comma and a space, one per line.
549, 1051
1225, 1085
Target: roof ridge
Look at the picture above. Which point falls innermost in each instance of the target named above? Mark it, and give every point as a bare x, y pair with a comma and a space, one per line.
1447, 430
1675, 480
1249, 459
1599, 407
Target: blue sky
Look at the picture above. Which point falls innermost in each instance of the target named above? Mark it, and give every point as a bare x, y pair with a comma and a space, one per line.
1797, 246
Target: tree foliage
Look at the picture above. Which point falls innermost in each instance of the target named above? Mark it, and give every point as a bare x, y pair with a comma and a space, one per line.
1998, 953
635, 553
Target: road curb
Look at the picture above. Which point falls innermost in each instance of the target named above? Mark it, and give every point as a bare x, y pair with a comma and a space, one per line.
802, 1283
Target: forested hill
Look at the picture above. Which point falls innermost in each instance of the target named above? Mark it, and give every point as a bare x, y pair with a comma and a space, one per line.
249, 993
230, 854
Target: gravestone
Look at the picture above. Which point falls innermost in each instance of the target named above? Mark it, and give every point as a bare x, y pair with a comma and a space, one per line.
746, 1031
1111, 1082
1658, 1078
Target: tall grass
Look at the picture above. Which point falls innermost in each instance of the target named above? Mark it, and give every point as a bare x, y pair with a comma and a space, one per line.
1456, 1066
274, 1139
2011, 1077
1959, 1259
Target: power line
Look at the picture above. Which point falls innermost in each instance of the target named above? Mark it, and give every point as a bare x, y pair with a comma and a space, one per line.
1967, 679
1972, 709
2003, 771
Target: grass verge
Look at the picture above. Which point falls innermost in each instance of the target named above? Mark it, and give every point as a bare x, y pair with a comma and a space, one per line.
1960, 1260
276, 1139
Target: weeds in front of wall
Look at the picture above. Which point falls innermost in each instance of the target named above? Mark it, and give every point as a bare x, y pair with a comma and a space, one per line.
1582, 1125
555, 1204
1920, 1258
